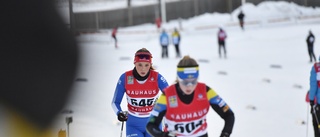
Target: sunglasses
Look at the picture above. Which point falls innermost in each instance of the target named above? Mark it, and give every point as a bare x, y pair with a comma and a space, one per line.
188, 82
144, 56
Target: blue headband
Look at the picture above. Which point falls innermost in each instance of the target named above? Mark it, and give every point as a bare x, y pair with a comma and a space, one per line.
188, 72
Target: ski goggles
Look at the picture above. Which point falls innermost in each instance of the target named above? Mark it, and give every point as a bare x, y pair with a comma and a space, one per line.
143, 57
188, 82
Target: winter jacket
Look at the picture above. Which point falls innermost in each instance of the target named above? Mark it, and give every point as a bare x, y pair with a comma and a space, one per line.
164, 39
310, 39
176, 38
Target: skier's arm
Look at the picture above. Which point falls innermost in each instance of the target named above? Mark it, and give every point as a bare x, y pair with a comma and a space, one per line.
118, 94
313, 84
223, 110
156, 116
162, 82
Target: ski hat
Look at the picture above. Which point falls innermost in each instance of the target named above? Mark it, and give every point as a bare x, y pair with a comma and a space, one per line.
143, 55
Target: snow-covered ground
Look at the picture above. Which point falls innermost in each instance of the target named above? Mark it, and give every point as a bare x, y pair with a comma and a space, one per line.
264, 79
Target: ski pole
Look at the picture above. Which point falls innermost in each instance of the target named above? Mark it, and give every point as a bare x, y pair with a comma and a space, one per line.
307, 119
315, 115
121, 129
126, 114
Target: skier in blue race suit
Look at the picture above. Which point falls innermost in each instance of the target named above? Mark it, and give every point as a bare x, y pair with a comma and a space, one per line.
314, 96
141, 86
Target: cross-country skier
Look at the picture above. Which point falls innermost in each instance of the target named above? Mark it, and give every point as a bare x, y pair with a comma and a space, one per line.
314, 96
184, 106
141, 86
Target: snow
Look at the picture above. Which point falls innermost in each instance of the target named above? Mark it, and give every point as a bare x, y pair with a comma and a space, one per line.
264, 79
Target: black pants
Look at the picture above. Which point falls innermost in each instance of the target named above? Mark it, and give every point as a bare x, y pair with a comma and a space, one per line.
177, 50
115, 40
315, 112
241, 22
311, 53
164, 53
222, 47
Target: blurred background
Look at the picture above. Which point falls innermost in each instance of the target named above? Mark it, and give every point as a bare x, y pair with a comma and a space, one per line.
91, 15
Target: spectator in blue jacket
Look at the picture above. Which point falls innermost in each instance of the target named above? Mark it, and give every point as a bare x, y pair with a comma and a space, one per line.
164, 42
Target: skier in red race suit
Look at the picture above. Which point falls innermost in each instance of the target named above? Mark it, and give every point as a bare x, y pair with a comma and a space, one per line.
141, 86
186, 104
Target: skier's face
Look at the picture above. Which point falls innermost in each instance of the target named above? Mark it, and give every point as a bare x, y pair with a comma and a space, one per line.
142, 68
188, 85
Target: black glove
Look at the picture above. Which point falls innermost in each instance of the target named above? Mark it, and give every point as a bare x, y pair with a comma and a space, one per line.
123, 116
225, 134
312, 106
311, 103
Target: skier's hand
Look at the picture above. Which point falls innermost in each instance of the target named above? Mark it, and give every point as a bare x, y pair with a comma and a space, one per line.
225, 134
311, 103
123, 116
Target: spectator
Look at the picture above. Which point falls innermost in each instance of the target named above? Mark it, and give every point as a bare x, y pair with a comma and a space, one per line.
241, 19
310, 40
158, 23
176, 38
164, 42
114, 36
222, 35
